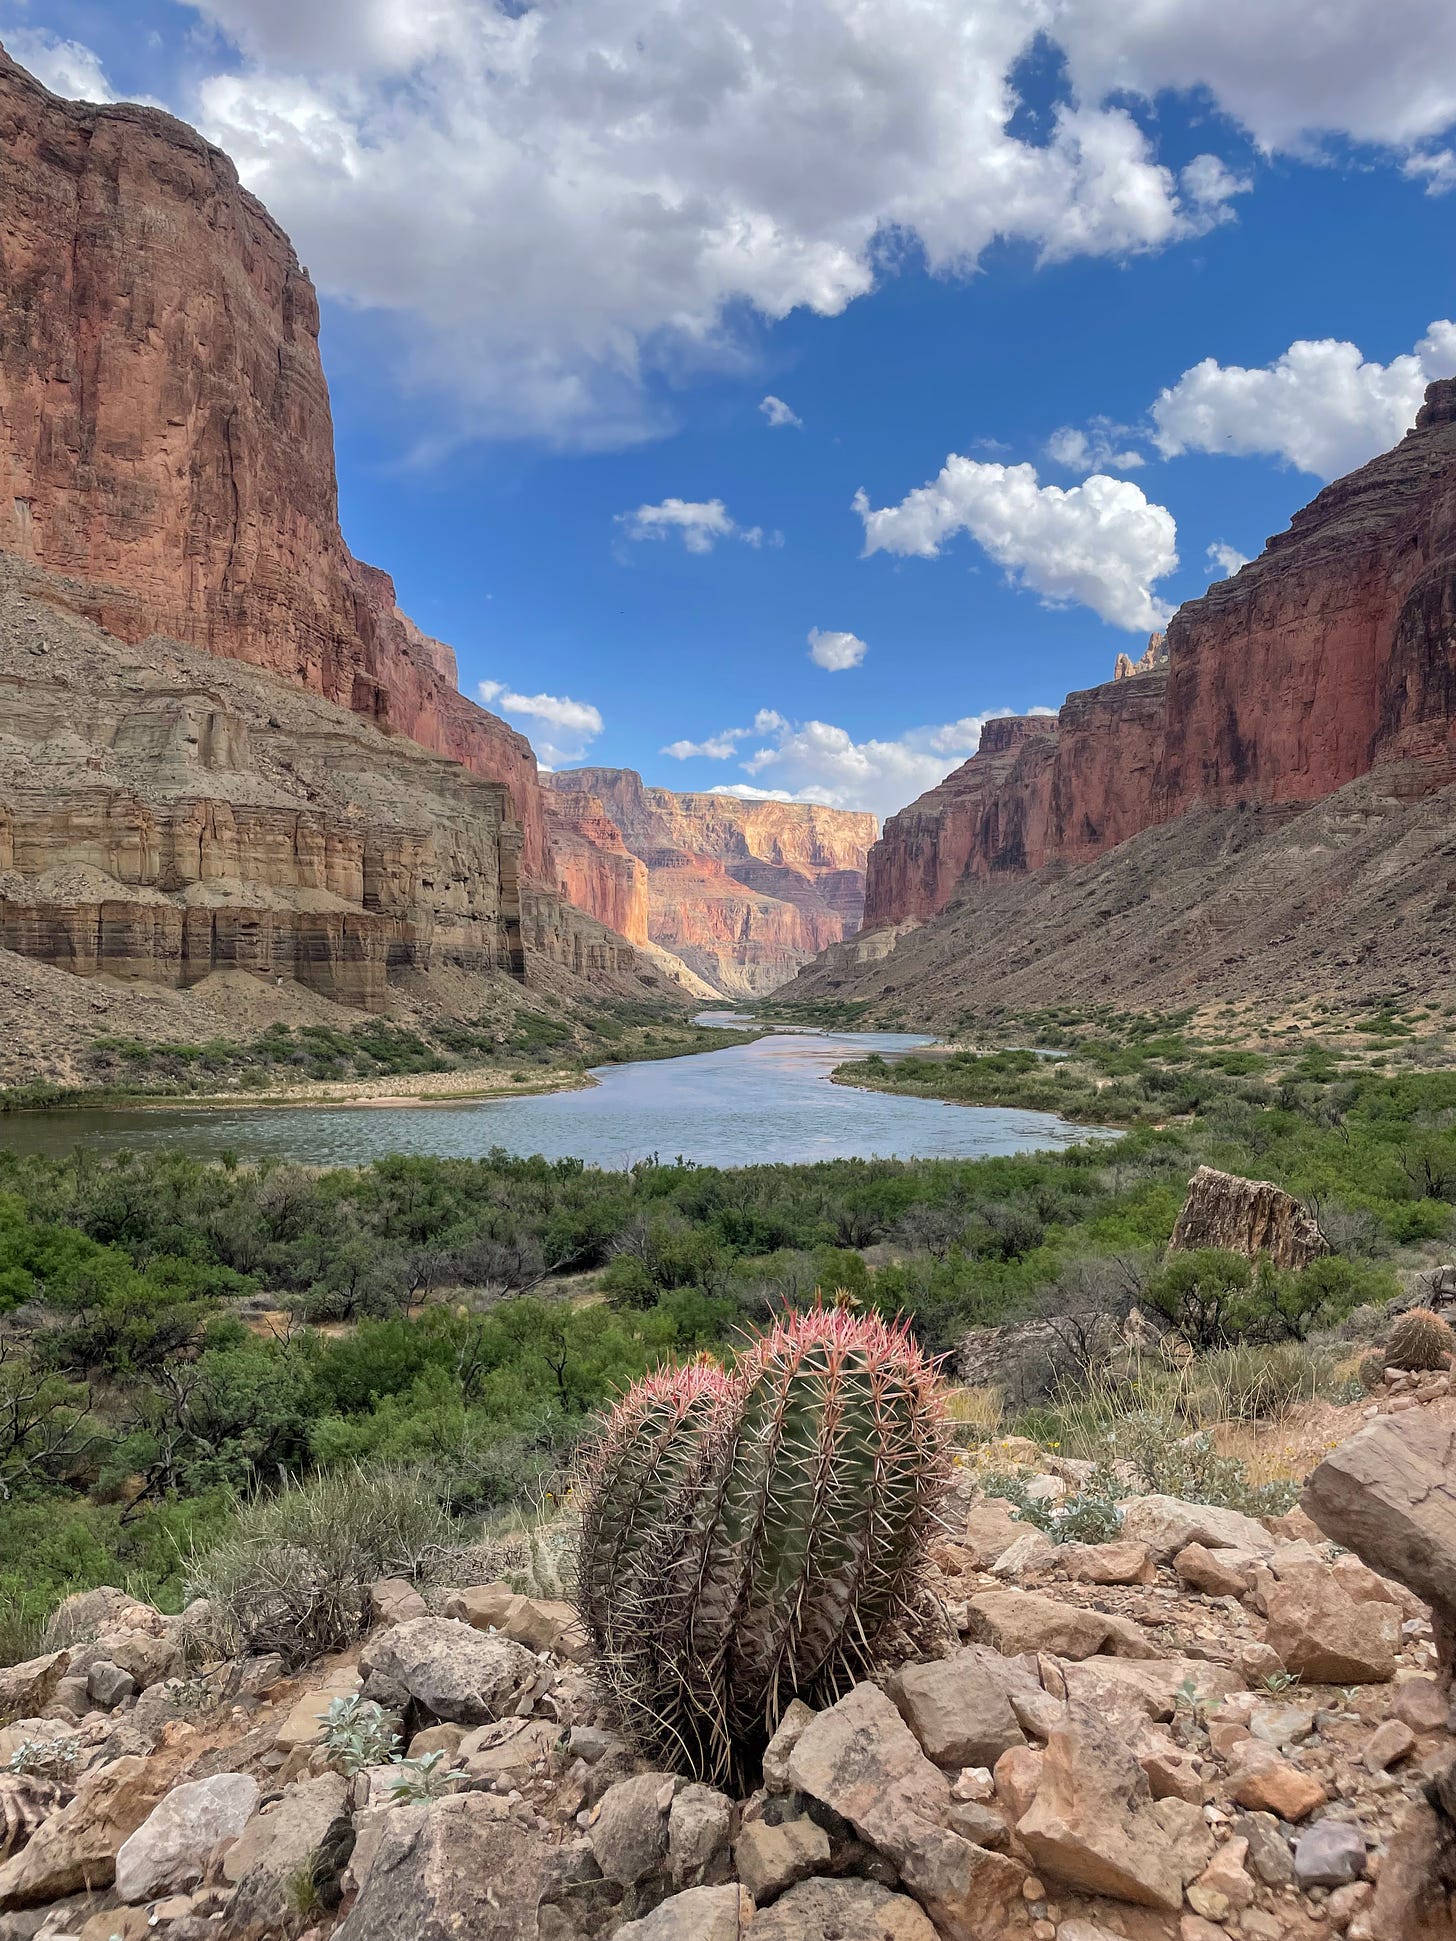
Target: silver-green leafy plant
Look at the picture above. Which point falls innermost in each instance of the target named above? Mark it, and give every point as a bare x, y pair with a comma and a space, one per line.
424, 1778
54, 1759
357, 1734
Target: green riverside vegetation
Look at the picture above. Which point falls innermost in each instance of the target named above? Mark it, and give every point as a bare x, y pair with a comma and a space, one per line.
180, 1339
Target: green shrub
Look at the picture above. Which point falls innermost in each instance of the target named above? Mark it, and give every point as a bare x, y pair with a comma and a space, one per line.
294, 1575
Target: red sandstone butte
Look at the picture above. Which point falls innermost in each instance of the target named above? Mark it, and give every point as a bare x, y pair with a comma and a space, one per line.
1332, 653
166, 445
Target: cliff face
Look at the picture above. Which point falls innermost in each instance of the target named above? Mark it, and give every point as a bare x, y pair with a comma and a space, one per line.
742, 892
595, 868
165, 814
1332, 653
166, 445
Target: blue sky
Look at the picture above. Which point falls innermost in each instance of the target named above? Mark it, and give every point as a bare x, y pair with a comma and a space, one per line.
1183, 259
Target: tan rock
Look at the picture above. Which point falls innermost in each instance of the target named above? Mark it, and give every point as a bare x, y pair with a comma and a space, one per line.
991, 1528
1246, 1216
304, 1724
1324, 1634
1228, 1877
770, 1859
1167, 1525
1420, 1703
1388, 1744
958, 1710
1265, 1782
1121, 1562
1013, 1622
1214, 1573
393, 1599
75, 1850
1016, 1776
847, 1910
1093, 1822
28, 1688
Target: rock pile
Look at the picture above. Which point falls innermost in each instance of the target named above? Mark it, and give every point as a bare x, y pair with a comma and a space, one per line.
1212, 1728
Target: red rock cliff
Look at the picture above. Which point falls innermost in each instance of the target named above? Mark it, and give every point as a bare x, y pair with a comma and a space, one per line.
1333, 652
166, 446
743, 892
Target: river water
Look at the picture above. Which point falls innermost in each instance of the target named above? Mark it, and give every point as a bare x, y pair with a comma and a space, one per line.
744, 1105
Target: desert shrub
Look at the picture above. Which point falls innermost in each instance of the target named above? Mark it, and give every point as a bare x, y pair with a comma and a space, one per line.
294, 1574
1251, 1383
1420, 1340
357, 1734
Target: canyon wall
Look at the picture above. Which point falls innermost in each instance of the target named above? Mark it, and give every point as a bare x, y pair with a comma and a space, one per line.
742, 892
166, 444
1332, 653
165, 814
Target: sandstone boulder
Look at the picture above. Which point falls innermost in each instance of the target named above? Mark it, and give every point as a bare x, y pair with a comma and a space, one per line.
449, 1669
991, 1528
1266, 1782
701, 1914
1324, 1634
1166, 1524
108, 1685
958, 1709
446, 1870
770, 1859
304, 1834
394, 1600
1093, 1823
27, 1688
847, 1910
1213, 1573
75, 1850
1013, 1622
630, 1833
1246, 1216
1389, 1494
699, 1827
1120, 1562
170, 1850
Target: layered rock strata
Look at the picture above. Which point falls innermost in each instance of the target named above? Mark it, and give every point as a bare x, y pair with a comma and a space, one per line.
1331, 654
743, 893
166, 443
165, 814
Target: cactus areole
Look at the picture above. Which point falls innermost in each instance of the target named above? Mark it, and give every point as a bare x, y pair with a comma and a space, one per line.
760, 1535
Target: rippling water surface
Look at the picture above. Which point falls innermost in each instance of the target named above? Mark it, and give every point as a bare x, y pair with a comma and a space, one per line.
746, 1104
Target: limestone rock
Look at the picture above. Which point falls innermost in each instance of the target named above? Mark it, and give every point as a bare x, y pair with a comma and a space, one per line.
630, 1833
701, 1914
699, 1826
1323, 1634
1215, 1573
1246, 1216
847, 1910
169, 1851
770, 1859
1328, 1854
28, 1688
394, 1599
451, 1670
452, 1868
109, 1685
1389, 1494
1120, 1562
75, 1850
307, 1829
1013, 1622
1167, 1525
1093, 1822
991, 1529
958, 1710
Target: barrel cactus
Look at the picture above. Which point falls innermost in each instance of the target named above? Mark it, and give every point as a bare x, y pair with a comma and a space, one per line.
763, 1537
1419, 1340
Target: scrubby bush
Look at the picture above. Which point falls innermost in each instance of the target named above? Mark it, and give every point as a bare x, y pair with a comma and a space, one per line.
294, 1574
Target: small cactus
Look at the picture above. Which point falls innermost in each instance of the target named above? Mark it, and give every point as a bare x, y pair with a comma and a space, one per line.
1420, 1340
761, 1536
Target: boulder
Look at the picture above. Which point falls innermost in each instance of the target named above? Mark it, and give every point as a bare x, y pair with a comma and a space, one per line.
1415, 1896
1421, 1704
541, 1624
1329, 1854
394, 1600
1213, 1573
148, 1657
27, 1688
1246, 1216
847, 1910
1389, 1494
1124, 1690
991, 1528
701, 1914
75, 1850
1093, 1823
1121, 1562
630, 1833
447, 1869
1265, 1782
170, 1850
508, 1746
699, 1827
776, 1753
770, 1859
304, 1725
1388, 1744
958, 1709
449, 1669
84, 1615
108, 1685
1016, 1777
1032, 1551
1323, 1634
305, 1833
1013, 1622
1166, 1524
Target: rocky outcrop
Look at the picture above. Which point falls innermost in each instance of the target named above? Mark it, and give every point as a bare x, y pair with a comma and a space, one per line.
166, 444
1246, 1216
1328, 656
742, 893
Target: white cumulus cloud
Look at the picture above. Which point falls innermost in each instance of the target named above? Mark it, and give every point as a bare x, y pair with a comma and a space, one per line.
572, 724
1321, 405
1100, 447
816, 761
778, 413
1225, 560
66, 67
699, 523
718, 747
1101, 544
835, 651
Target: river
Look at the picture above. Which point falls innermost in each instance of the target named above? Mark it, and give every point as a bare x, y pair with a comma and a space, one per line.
747, 1104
